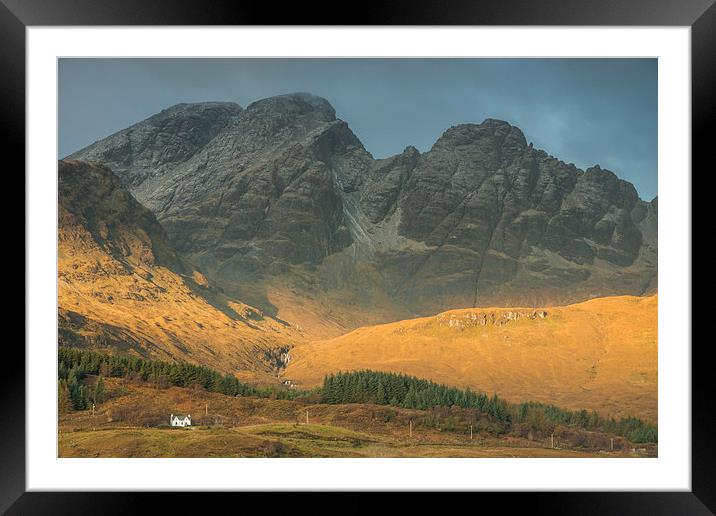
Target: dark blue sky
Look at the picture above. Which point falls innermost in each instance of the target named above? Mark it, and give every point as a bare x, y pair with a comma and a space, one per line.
585, 111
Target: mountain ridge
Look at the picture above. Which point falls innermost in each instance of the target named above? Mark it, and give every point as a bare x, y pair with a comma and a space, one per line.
285, 208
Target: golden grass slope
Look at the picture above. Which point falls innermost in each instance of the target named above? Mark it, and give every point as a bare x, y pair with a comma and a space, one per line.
600, 354
121, 286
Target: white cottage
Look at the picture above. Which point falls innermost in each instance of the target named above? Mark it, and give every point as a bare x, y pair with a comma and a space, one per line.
176, 420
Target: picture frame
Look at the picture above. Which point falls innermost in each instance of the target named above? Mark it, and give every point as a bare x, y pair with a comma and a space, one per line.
17, 15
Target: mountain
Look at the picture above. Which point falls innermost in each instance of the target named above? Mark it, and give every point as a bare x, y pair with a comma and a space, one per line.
597, 355
281, 205
122, 286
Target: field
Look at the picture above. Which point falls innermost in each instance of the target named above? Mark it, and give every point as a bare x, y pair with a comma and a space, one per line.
287, 440
132, 423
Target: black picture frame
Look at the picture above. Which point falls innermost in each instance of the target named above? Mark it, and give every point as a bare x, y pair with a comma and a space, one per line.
700, 15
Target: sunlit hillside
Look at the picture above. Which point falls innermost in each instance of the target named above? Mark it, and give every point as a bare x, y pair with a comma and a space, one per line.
600, 354
121, 286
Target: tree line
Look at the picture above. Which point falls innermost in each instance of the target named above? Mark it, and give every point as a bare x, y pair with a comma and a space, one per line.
73, 394
366, 386
407, 392
410, 392
634, 429
75, 364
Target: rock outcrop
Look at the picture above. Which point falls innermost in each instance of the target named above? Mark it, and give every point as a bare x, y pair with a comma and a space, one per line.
470, 319
282, 206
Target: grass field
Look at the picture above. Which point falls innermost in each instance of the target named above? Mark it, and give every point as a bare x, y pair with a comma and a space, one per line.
132, 423
293, 440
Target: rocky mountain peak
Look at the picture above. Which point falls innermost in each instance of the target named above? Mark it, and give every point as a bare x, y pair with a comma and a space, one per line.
491, 133
201, 120
410, 152
284, 193
168, 138
296, 104
212, 107
620, 191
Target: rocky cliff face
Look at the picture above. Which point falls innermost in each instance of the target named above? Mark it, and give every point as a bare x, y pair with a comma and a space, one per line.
149, 149
280, 204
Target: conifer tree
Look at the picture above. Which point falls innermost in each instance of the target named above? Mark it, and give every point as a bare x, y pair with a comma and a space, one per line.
98, 395
64, 400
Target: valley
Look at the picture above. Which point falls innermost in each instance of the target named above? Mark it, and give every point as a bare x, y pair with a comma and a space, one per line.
266, 245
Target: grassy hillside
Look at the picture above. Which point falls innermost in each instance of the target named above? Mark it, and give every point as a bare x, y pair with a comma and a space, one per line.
597, 355
121, 286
